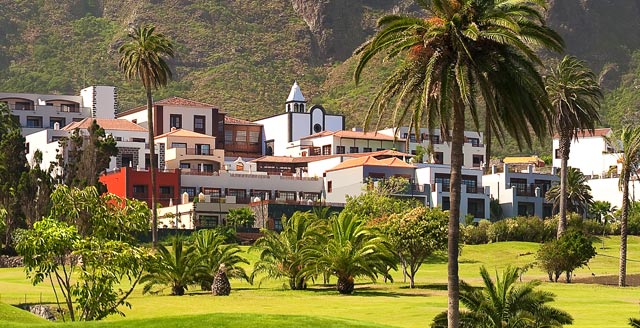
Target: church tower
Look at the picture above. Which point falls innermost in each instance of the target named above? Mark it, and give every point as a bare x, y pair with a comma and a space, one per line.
295, 102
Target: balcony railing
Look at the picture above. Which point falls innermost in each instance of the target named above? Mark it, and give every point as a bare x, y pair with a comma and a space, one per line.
530, 189
198, 151
60, 109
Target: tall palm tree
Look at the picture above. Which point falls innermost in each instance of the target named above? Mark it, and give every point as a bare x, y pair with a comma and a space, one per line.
281, 255
350, 250
466, 50
575, 95
213, 250
504, 303
143, 58
629, 152
577, 193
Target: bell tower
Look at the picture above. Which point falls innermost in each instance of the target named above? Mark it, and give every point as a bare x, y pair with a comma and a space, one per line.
295, 102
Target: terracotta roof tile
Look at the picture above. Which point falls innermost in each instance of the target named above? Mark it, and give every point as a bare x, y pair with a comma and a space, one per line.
173, 101
353, 135
233, 120
105, 123
370, 161
587, 134
184, 133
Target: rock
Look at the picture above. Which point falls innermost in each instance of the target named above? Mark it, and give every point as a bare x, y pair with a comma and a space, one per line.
10, 261
43, 311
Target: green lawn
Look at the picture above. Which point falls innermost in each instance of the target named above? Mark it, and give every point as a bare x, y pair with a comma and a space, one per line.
373, 305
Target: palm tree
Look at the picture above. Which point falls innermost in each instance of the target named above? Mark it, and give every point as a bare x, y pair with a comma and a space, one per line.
281, 255
602, 210
504, 303
577, 193
575, 95
350, 250
177, 268
211, 248
143, 58
629, 157
465, 51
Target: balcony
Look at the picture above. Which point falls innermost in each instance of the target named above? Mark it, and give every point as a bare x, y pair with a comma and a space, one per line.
529, 190
198, 151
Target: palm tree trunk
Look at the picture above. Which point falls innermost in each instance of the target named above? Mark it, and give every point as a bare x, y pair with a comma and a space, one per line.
622, 275
565, 143
487, 141
453, 284
152, 170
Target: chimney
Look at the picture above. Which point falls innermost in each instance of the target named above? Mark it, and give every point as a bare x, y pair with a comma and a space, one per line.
530, 168
56, 126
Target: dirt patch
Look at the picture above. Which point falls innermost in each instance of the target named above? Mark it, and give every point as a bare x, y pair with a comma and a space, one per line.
632, 280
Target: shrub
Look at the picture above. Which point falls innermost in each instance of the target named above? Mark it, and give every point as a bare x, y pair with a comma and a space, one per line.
573, 250
498, 231
475, 235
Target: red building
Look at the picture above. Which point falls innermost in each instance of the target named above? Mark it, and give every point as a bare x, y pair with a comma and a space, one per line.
132, 183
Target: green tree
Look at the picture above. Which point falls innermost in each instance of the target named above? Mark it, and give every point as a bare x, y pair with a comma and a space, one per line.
176, 268
571, 251
281, 255
505, 303
52, 250
575, 95
212, 248
241, 217
13, 164
378, 202
34, 191
143, 58
465, 51
350, 250
414, 236
577, 193
628, 149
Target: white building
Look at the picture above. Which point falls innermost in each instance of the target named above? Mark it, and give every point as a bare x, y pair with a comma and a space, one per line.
37, 112
474, 197
342, 142
473, 149
590, 153
295, 123
130, 138
521, 193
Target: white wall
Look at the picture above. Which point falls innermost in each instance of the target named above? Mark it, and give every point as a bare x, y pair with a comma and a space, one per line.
607, 190
276, 128
102, 99
589, 155
346, 182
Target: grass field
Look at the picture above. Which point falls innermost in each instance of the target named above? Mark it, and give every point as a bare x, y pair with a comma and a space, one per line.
373, 304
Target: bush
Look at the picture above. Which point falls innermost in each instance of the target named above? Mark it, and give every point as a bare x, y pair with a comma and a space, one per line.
476, 235
573, 250
498, 231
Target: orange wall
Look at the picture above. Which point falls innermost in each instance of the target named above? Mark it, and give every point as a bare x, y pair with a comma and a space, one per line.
121, 183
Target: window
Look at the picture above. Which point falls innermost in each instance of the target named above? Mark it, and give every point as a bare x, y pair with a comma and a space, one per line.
138, 140
139, 189
340, 149
287, 195
23, 105
477, 160
314, 151
445, 204
329, 186
380, 149
191, 191
205, 167
54, 120
444, 180
547, 210
34, 121
228, 137
438, 157
241, 194
214, 192
178, 145
435, 139
199, 124
475, 142
254, 137
326, 150
207, 221
127, 160
203, 149
185, 165
557, 153
166, 190
241, 136
470, 181
520, 185
475, 207
526, 209
175, 121
353, 150
268, 148
317, 128
366, 149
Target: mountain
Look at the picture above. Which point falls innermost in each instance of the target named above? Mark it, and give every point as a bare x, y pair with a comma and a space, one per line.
244, 55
